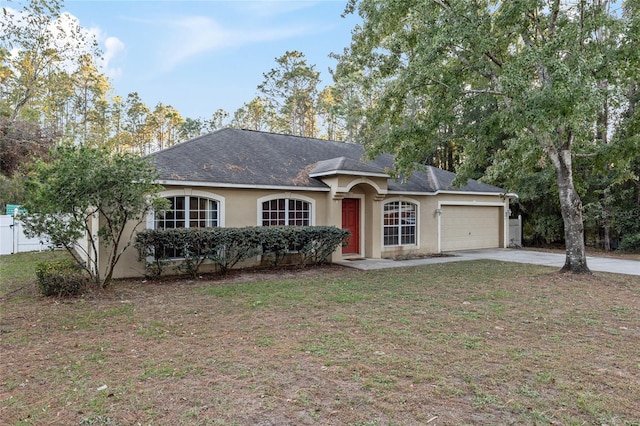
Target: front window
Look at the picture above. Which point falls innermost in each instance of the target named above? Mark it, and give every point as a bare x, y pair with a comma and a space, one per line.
187, 212
399, 223
286, 212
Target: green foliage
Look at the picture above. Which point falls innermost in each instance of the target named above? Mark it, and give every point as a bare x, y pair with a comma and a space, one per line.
11, 190
92, 194
233, 246
630, 243
44, 47
510, 87
277, 241
549, 228
226, 247
316, 243
62, 278
291, 89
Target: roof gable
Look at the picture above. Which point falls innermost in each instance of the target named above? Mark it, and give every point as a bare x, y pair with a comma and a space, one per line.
344, 165
250, 158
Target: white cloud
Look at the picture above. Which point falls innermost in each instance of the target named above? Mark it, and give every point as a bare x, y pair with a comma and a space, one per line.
265, 9
192, 36
69, 26
112, 47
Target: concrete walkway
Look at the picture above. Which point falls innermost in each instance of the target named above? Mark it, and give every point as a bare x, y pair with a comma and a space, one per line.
596, 264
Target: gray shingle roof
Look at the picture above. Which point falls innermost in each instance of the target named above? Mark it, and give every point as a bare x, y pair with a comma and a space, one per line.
255, 159
346, 165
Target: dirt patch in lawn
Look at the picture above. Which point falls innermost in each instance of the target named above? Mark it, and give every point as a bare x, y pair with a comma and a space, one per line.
461, 343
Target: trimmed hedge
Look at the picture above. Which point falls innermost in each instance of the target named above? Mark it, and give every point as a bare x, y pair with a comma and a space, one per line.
226, 247
61, 278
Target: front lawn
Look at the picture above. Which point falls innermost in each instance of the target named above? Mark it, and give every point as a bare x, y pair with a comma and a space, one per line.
449, 344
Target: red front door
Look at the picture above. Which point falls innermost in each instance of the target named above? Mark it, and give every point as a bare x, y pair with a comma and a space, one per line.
351, 222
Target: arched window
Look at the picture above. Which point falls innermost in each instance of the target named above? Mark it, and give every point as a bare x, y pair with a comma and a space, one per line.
189, 212
286, 212
400, 219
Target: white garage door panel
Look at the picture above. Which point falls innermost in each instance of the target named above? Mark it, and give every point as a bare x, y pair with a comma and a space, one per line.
469, 227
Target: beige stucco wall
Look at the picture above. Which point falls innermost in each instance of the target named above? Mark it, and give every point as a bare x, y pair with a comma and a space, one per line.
128, 265
240, 207
428, 219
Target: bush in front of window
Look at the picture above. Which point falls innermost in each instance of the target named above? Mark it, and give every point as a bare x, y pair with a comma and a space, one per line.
276, 242
157, 246
227, 247
314, 243
233, 245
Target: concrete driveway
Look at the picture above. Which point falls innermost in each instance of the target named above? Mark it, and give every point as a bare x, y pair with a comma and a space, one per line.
596, 264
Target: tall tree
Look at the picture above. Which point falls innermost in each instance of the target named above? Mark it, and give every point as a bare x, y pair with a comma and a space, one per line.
328, 111
90, 102
42, 42
355, 92
191, 128
292, 89
56, 105
164, 124
522, 83
255, 115
218, 119
136, 124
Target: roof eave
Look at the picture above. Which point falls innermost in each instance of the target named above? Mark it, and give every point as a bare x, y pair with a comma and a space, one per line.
438, 192
348, 172
166, 182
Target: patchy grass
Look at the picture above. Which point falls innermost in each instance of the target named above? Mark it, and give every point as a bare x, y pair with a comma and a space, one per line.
458, 343
17, 271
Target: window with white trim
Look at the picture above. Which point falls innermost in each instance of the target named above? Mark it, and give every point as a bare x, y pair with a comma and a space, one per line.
189, 212
399, 223
286, 212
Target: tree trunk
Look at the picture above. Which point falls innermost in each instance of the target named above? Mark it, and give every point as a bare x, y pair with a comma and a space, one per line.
571, 206
606, 219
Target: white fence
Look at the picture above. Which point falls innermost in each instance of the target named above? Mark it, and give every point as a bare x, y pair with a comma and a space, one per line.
515, 232
13, 239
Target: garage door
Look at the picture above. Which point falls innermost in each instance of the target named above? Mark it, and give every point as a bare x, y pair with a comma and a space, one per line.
469, 227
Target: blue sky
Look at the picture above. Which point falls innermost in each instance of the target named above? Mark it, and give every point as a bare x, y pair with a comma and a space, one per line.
199, 56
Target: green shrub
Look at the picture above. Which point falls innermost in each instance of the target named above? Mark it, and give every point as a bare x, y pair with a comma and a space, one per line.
630, 243
233, 245
60, 278
226, 247
316, 243
276, 242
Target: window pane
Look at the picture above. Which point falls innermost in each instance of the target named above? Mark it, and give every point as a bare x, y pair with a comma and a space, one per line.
179, 203
390, 236
408, 235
